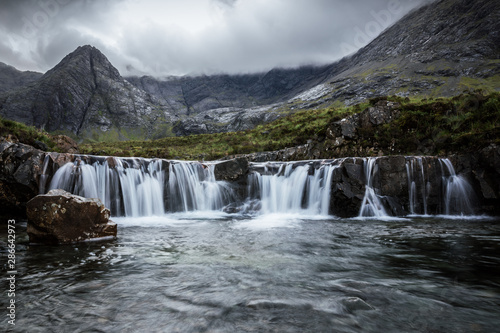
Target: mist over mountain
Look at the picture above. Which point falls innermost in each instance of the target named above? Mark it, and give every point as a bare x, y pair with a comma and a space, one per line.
440, 49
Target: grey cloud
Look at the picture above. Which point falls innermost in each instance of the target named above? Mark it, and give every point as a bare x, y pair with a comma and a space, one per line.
249, 36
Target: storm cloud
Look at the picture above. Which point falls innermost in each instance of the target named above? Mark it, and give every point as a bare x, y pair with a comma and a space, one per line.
167, 37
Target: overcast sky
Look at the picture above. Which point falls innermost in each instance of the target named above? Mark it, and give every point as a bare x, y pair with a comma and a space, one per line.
178, 37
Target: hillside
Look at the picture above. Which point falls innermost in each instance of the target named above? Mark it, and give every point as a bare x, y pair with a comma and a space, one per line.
381, 126
11, 78
441, 49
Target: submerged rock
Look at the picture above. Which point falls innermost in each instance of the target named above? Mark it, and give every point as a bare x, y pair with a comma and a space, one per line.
60, 217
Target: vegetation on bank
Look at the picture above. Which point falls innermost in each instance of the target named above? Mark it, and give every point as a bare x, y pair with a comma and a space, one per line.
462, 123
26, 134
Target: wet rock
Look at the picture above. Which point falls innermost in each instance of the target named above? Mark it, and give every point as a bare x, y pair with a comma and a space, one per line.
348, 188
60, 217
20, 167
232, 169
40, 145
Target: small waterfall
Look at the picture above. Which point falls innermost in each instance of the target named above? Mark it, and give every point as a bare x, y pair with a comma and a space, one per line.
293, 188
371, 205
126, 187
457, 192
416, 178
145, 187
194, 187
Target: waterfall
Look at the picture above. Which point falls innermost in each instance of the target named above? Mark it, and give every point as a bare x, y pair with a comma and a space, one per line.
293, 188
147, 187
371, 204
416, 179
457, 192
126, 187
44, 175
193, 186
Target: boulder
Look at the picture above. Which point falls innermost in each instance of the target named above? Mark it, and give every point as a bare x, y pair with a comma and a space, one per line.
232, 169
60, 217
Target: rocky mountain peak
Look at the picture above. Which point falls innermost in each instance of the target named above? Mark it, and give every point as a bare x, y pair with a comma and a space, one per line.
86, 60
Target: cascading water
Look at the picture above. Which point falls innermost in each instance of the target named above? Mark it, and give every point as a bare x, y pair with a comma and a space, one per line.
456, 195
44, 175
128, 187
416, 178
139, 187
371, 204
192, 186
293, 189
143, 187
457, 192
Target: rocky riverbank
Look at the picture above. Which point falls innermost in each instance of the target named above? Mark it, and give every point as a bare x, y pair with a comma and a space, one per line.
25, 171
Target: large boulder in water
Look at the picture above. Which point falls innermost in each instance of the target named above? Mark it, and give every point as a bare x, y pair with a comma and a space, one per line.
59, 217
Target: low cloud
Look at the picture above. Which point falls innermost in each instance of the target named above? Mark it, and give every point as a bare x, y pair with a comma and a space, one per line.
163, 38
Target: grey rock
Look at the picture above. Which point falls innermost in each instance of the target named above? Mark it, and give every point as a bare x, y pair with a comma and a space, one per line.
232, 169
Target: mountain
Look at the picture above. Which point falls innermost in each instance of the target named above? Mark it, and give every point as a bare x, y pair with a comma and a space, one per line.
190, 95
84, 95
439, 49
11, 78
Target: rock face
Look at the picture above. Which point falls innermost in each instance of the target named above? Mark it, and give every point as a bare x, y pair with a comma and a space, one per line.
20, 168
85, 95
11, 78
59, 217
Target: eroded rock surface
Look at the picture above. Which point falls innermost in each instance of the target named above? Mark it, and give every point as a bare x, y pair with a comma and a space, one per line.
60, 217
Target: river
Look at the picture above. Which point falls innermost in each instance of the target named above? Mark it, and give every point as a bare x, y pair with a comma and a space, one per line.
216, 272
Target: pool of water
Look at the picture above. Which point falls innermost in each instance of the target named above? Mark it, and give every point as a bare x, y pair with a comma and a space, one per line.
209, 272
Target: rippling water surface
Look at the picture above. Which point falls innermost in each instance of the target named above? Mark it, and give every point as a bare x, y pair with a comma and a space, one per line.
278, 273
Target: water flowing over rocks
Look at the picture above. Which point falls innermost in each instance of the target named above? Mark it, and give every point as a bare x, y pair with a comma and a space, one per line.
59, 217
387, 185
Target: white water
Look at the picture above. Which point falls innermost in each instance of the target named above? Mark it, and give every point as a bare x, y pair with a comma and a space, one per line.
192, 186
457, 192
141, 187
128, 188
416, 176
293, 189
371, 205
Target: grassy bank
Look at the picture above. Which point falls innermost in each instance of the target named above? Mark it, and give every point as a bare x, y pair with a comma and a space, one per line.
431, 126
25, 134
461, 123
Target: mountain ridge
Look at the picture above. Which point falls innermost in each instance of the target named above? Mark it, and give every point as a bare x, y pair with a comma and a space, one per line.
439, 49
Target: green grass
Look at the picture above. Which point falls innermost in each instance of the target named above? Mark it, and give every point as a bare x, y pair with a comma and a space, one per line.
25, 134
288, 131
463, 123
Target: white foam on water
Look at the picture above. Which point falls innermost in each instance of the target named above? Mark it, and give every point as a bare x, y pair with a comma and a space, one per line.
270, 221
